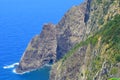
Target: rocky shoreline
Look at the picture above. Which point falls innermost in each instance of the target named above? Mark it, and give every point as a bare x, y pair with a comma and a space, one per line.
78, 46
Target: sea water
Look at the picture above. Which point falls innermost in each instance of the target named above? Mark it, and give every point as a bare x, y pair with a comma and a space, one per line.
20, 21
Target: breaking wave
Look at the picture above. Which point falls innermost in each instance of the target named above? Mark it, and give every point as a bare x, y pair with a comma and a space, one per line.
46, 65
11, 66
14, 71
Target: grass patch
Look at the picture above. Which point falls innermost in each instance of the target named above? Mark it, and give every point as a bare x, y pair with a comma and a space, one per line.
110, 35
114, 79
92, 40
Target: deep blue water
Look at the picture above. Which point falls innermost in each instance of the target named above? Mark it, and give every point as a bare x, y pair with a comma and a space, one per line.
20, 20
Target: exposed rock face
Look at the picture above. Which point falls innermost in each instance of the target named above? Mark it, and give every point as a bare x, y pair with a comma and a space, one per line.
94, 58
85, 44
70, 30
41, 50
55, 41
70, 68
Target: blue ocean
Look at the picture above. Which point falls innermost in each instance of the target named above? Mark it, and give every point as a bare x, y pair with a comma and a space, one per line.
20, 21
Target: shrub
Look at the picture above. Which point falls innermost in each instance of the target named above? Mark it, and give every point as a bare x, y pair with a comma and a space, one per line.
114, 70
117, 57
114, 79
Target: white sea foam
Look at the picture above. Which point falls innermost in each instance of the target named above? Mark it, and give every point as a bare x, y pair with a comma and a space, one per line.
16, 64
48, 65
14, 71
11, 66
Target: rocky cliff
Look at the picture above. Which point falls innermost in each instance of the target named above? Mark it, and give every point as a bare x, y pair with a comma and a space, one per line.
55, 40
71, 29
97, 57
40, 51
84, 45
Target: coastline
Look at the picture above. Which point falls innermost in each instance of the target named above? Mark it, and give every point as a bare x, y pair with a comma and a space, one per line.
46, 65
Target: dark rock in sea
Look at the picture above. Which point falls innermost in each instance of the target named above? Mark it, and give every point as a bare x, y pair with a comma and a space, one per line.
55, 40
41, 50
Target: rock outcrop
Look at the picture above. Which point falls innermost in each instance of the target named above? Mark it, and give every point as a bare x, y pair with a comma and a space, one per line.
94, 58
84, 45
55, 40
71, 29
40, 51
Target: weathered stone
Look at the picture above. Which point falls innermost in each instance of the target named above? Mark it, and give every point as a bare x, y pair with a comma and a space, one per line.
41, 50
90, 61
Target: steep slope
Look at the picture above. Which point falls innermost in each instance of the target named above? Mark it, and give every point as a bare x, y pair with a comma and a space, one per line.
84, 44
55, 41
96, 58
41, 50
71, 29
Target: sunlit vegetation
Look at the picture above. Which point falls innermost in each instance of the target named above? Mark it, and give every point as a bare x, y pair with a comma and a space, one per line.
110, 35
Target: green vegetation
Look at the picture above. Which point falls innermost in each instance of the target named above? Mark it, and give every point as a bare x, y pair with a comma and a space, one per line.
107, 5
110, 35
93, 40
114, 70
111, 31
76, 47
99, 1
114, 79
117, 57
100, 21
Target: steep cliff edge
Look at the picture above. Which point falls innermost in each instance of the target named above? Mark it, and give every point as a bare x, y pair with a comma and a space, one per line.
40, 51
71, 29
84, 45
98, 56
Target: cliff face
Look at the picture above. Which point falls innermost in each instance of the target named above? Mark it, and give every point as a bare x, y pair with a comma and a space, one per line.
84, 45
71, 29
97, 57
40, 51
55, 40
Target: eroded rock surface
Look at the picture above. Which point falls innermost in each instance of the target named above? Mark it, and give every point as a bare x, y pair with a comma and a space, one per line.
41, 50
